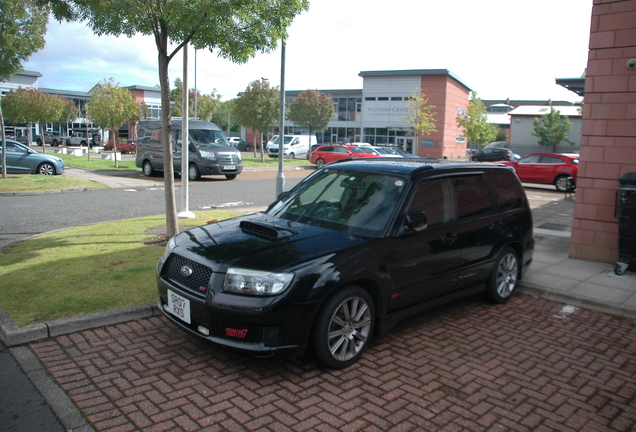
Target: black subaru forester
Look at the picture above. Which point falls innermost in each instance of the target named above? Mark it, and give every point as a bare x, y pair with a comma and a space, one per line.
347, 253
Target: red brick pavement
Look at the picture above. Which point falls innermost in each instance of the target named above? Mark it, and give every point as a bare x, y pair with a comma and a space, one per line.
467, 366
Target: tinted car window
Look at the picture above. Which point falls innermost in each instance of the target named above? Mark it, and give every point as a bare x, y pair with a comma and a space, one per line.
473, 196
434, 198
550, 160
529, 160
510, 192
356, 202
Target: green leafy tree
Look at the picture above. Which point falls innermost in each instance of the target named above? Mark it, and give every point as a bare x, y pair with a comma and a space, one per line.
257, 108
110, 107
552, 128
68, 113
421, 115
22, 30
311, 110
475, 124
26, 106
235, 29
207, 106
222, 117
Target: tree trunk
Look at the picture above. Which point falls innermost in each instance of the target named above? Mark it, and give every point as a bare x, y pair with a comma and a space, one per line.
172, 224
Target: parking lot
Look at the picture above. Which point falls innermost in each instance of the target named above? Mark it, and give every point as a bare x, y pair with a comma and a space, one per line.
528, 365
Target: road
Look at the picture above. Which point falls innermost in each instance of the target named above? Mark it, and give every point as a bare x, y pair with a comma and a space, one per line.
23, 216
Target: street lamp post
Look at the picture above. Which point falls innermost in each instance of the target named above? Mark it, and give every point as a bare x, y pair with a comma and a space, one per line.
280, 179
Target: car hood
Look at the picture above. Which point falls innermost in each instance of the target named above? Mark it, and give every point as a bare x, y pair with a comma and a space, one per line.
261, 242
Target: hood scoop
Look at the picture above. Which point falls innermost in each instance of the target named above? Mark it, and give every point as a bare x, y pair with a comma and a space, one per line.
266, 231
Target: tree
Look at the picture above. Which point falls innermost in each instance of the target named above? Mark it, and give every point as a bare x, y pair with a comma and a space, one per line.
236, 29
22, 30
311, 110
257, 108
222, 117
31, 106
68, 113
421, 115
207, 106
110, 107
477, 130
551, 129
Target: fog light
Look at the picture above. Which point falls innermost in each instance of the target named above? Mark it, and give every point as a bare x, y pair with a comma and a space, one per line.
166, 308
270, 335
204, 331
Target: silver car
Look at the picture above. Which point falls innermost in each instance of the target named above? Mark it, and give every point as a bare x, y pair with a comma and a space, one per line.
23, 160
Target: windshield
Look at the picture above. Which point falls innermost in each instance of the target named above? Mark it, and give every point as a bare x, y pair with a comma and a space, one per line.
287, 139
204, 138
356, 202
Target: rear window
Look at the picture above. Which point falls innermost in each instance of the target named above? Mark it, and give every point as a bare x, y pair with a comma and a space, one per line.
510, 193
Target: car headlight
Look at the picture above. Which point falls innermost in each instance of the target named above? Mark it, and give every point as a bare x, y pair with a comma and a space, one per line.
255, 282
172, 243
208, 155
240, 156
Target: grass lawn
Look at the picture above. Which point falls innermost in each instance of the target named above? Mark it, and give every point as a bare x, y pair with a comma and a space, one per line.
97, 163
86, 269
36, 182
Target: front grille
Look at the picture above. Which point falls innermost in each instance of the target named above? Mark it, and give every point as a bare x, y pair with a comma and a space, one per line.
177, 271
228, 159
273, 150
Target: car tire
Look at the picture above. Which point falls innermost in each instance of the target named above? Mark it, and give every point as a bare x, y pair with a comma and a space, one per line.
148, 169
55, 143
194, 173
320, 162
504, 277
83, 143
247, 147
46, 169
39, 142
343, 327
564, 183
474, 159
292, 155
230, 176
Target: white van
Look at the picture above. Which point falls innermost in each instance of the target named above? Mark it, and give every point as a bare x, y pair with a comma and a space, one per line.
294, 145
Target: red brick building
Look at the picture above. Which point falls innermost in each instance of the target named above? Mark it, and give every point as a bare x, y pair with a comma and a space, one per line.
608, 145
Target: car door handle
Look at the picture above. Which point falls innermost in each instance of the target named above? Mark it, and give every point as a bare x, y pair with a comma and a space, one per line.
450, 238
497, 226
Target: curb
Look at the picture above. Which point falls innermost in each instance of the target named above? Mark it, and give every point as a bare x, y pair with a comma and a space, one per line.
593, 305
12, 335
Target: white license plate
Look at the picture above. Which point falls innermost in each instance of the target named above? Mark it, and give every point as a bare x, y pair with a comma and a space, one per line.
229, 167
179, 306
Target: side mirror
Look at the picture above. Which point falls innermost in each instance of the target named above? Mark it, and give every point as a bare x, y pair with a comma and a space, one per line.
416, 221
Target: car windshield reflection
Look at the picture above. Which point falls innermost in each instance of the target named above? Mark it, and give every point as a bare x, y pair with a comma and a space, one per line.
359, 203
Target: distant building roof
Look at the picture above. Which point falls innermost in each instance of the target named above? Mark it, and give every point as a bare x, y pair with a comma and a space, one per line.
65, 93
533, 110
576, 85
410, 72
144, 88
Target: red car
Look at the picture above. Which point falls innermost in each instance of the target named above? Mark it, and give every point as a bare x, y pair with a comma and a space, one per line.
558, 169
329, 153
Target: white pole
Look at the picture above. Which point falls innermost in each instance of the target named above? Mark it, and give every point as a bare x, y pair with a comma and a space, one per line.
185, 144
280, 179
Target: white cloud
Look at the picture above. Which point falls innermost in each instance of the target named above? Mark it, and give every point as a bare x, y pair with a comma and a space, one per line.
500, 48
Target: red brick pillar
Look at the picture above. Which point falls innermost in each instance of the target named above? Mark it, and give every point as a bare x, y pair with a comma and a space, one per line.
608, 144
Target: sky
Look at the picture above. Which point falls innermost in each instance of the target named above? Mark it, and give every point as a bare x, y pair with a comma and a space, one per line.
498, 48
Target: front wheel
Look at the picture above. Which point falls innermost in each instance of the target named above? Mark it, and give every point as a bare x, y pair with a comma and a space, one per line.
292, 155
248, 148
343, 327
148, 170
564, 183
503, 279
55, 143
320, 163
46, 169
193, 173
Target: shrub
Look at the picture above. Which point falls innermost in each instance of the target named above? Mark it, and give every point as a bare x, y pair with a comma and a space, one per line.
121, 147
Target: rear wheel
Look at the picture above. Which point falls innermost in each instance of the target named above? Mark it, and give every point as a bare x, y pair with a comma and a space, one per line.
46, 169
55, 143
343, 327
320, 163
193, 172
503, 279
564, 183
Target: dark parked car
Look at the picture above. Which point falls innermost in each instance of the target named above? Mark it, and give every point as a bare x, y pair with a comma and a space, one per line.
24, 160
561, 170
51, 138
240, 144
493, 154
347, 253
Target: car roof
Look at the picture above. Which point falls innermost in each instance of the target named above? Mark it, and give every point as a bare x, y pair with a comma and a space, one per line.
569, 155
411, 167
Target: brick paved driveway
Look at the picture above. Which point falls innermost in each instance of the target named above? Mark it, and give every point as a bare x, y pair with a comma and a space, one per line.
466, 366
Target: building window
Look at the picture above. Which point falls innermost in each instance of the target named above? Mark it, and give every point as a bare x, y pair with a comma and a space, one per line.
460, 139
369, 98
396, 98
